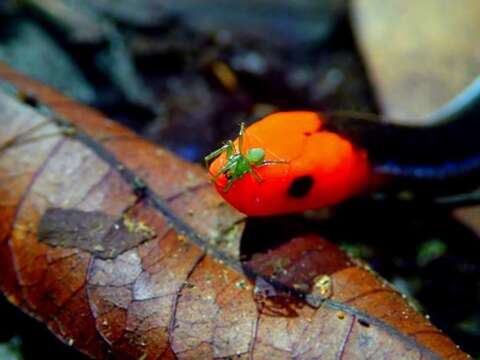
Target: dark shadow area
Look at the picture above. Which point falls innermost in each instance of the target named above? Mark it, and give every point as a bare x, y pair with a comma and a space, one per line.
36, 342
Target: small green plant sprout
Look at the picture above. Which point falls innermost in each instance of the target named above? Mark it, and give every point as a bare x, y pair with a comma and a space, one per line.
238, 163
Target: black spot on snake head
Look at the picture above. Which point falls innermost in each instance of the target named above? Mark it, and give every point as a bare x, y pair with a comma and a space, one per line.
300, 186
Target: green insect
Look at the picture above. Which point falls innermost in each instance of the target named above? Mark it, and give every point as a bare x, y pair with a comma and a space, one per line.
238, 162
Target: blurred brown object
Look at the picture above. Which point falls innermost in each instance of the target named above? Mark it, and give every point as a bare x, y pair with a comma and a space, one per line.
420, 54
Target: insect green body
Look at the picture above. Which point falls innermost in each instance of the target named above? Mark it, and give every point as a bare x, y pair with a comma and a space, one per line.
239, 163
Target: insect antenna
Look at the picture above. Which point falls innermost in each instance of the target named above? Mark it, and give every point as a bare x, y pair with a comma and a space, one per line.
241, 134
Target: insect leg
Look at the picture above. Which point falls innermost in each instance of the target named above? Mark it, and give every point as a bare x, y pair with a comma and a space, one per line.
268, 162
240, 137
255, 175
224, 169
215, 153
230, 149
229, 185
